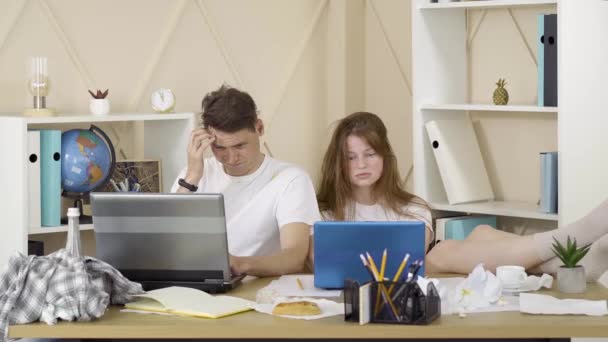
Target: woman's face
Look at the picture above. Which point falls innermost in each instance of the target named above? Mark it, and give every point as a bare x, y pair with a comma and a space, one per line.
364, 164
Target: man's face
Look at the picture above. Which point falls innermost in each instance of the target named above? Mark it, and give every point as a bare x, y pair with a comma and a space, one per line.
239, 152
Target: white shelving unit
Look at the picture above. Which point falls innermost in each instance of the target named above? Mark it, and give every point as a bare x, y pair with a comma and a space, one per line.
484, 4
440, 82
159, 136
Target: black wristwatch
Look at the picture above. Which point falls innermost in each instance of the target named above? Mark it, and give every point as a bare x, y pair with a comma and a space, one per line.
182, 182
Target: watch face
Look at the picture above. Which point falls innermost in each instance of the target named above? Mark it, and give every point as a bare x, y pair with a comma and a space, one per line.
163, 100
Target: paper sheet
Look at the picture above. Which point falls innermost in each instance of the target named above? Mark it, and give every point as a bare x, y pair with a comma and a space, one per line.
287, 286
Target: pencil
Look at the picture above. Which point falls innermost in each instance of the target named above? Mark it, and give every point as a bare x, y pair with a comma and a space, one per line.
398, 273
372, 265
299, 283
374, 270
383, 265
382, 269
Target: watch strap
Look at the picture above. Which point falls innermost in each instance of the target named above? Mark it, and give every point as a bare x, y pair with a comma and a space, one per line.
182, 182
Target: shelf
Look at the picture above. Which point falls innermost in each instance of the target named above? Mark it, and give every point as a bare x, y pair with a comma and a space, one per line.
488, 4
49, 230
491, 108
116, 117
499, 208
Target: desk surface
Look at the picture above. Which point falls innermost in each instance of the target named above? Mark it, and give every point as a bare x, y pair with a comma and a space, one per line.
116, 324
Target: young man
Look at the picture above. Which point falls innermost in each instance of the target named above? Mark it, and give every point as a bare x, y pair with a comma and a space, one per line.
270, 205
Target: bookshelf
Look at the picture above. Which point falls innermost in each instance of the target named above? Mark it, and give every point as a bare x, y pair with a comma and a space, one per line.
440, 91
157, 136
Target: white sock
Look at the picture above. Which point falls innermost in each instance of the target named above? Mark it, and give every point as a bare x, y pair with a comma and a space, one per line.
595, 262
586, 230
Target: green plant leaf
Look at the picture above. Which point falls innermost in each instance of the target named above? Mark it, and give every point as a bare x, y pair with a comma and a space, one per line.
571, 254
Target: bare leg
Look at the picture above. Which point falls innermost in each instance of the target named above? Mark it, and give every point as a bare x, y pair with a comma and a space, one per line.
485, 245
588, 229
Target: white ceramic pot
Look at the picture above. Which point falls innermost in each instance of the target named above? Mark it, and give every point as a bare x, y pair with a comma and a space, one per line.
99, 106
571, 280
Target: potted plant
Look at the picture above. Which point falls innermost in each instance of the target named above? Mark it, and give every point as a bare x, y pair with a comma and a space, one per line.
570, 276
99, 105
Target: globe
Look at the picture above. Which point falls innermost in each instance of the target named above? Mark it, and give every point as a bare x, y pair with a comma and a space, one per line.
87, 160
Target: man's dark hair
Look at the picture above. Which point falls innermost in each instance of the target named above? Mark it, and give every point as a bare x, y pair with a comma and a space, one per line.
229, 110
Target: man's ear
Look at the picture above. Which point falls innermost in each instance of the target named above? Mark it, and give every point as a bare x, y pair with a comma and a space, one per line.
259, 126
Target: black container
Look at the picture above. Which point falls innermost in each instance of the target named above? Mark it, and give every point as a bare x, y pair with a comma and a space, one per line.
408, 304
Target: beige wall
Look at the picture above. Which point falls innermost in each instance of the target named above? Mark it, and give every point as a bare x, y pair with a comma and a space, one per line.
306, 62
274, 49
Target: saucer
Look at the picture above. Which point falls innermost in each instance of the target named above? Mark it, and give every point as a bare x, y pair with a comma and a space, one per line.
525, 286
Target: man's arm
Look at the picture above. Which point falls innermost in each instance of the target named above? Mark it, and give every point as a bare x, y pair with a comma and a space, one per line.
291, 258
200, 139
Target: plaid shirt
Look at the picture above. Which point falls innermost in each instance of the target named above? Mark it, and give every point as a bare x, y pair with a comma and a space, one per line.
59, 286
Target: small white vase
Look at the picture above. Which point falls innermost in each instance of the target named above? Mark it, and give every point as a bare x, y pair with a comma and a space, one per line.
99, 106
571, 280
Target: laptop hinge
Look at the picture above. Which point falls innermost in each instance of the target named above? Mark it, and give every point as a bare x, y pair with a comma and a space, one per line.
213, 281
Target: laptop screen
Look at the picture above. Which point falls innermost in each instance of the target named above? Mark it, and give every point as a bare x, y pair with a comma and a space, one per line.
162, 237
337, 246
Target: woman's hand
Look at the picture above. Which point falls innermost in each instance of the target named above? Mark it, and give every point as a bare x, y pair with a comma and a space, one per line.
200, 139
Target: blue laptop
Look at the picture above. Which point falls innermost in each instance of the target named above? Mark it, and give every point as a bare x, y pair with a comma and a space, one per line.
337, 246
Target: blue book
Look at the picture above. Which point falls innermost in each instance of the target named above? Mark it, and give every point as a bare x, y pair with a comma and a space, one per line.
50, 177
548, 194
540, 21
459, 228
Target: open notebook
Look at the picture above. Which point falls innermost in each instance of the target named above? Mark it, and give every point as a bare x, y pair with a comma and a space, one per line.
189, 302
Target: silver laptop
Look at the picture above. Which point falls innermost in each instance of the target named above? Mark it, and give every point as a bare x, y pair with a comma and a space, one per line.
161, 239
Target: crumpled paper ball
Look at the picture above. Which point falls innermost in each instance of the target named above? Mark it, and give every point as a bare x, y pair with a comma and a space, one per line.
479, 290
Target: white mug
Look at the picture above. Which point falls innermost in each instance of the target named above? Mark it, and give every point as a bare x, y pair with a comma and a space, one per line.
511, 276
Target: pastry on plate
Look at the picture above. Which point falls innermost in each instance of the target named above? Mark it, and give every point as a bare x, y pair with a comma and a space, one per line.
301, 308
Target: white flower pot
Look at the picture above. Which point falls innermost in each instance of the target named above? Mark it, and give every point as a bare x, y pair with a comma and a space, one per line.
99, 106
571, 280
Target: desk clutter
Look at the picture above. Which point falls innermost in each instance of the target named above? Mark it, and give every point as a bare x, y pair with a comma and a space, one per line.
295, 296
391, 301
407, 304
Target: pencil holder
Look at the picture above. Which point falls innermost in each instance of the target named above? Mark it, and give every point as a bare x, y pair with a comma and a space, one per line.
388, 302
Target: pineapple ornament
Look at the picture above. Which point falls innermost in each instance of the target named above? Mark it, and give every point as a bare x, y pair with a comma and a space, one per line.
501, 95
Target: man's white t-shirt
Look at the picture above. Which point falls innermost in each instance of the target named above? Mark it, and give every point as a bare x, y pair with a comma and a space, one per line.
259, 204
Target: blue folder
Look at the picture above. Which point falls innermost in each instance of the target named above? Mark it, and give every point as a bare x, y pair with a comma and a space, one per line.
540, 21
50, 177
337, 246
460, 228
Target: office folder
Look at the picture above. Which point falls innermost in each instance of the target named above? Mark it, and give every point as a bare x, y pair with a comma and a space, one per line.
459, 228
50, 177
440, 226
189, 302
33, 178
540, 52
548, 182
459, 160
550, 61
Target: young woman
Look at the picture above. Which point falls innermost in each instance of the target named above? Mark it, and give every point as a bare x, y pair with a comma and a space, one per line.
360, 181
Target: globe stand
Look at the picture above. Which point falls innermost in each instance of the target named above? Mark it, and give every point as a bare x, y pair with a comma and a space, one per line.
83, 219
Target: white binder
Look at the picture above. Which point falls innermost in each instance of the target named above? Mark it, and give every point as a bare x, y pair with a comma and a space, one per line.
459, 161
33, 173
